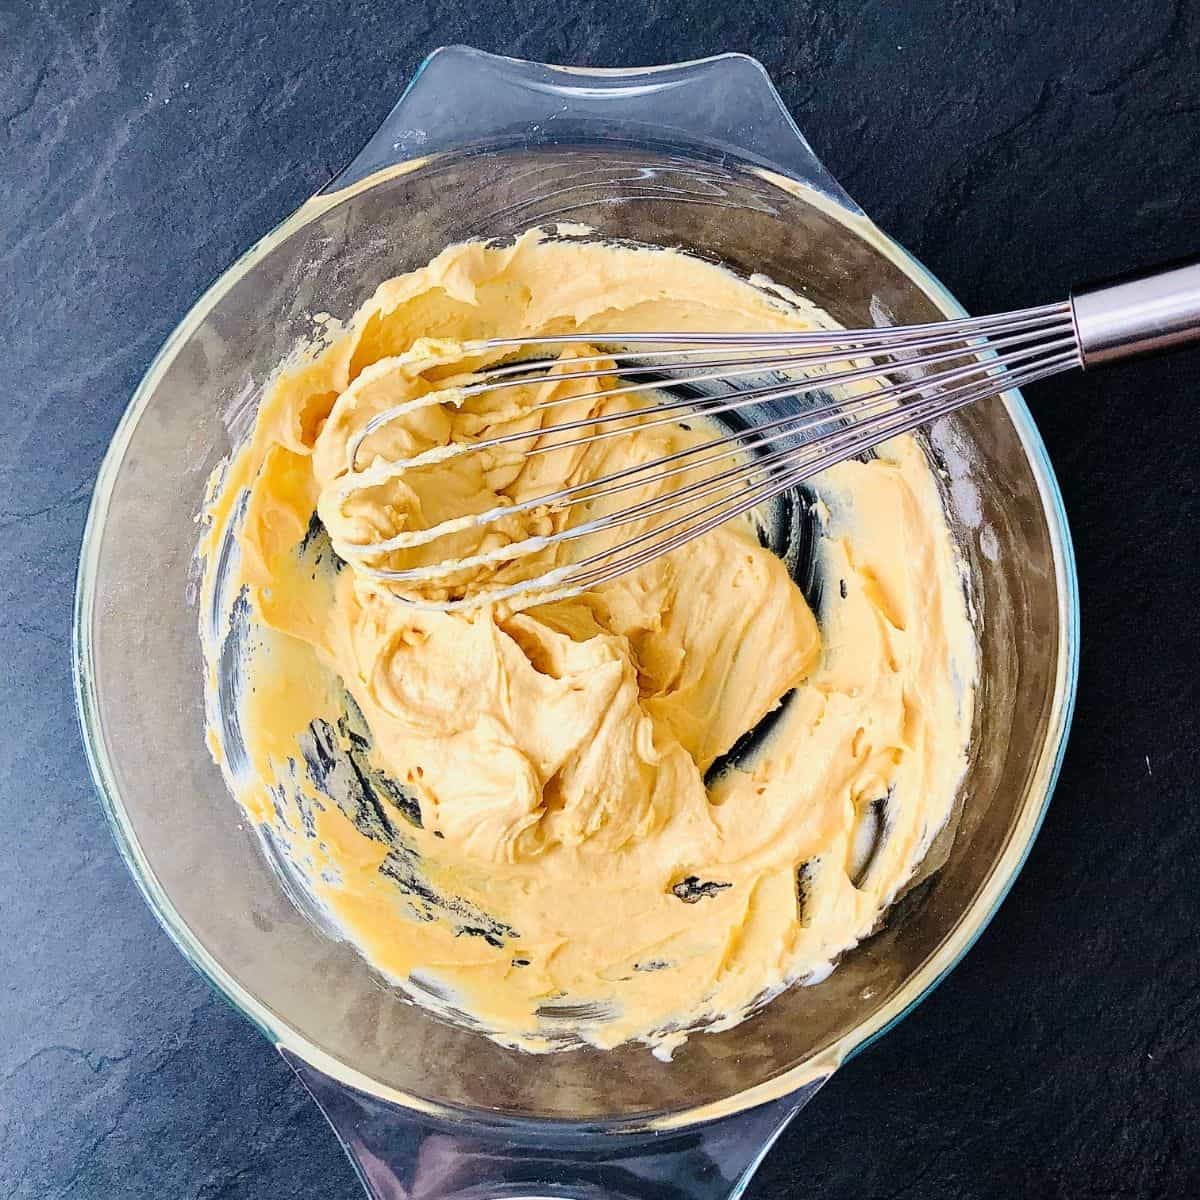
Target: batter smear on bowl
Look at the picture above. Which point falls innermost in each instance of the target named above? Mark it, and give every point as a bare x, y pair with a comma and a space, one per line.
624, 814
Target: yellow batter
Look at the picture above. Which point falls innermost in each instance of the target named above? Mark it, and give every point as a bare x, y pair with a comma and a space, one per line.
514, 811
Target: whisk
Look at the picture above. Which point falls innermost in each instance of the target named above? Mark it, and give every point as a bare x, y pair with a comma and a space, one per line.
866, 386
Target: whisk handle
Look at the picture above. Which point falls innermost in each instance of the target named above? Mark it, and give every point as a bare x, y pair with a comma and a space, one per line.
1139, 315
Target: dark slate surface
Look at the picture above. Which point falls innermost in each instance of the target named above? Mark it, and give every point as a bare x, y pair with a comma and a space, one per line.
1015, 147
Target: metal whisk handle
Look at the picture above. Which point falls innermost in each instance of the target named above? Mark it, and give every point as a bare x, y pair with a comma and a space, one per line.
1139, 315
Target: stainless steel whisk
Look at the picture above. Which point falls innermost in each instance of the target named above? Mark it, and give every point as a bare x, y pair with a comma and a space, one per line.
908, 376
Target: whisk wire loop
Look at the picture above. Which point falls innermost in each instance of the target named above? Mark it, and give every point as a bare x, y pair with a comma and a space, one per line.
863, 387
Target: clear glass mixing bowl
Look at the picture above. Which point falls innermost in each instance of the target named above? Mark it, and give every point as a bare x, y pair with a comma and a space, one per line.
701, 156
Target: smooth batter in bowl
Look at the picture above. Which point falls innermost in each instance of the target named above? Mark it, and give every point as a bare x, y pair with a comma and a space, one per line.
621, 814
673, 177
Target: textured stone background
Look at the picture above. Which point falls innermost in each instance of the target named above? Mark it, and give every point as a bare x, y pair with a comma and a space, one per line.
1015, 147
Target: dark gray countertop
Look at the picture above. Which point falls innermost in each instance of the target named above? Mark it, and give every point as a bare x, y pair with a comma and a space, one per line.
1015, 147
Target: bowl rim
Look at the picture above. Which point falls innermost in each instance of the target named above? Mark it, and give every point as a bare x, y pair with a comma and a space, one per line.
813, 1071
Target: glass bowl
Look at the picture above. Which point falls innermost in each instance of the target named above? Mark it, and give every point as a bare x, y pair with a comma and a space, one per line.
701, 156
